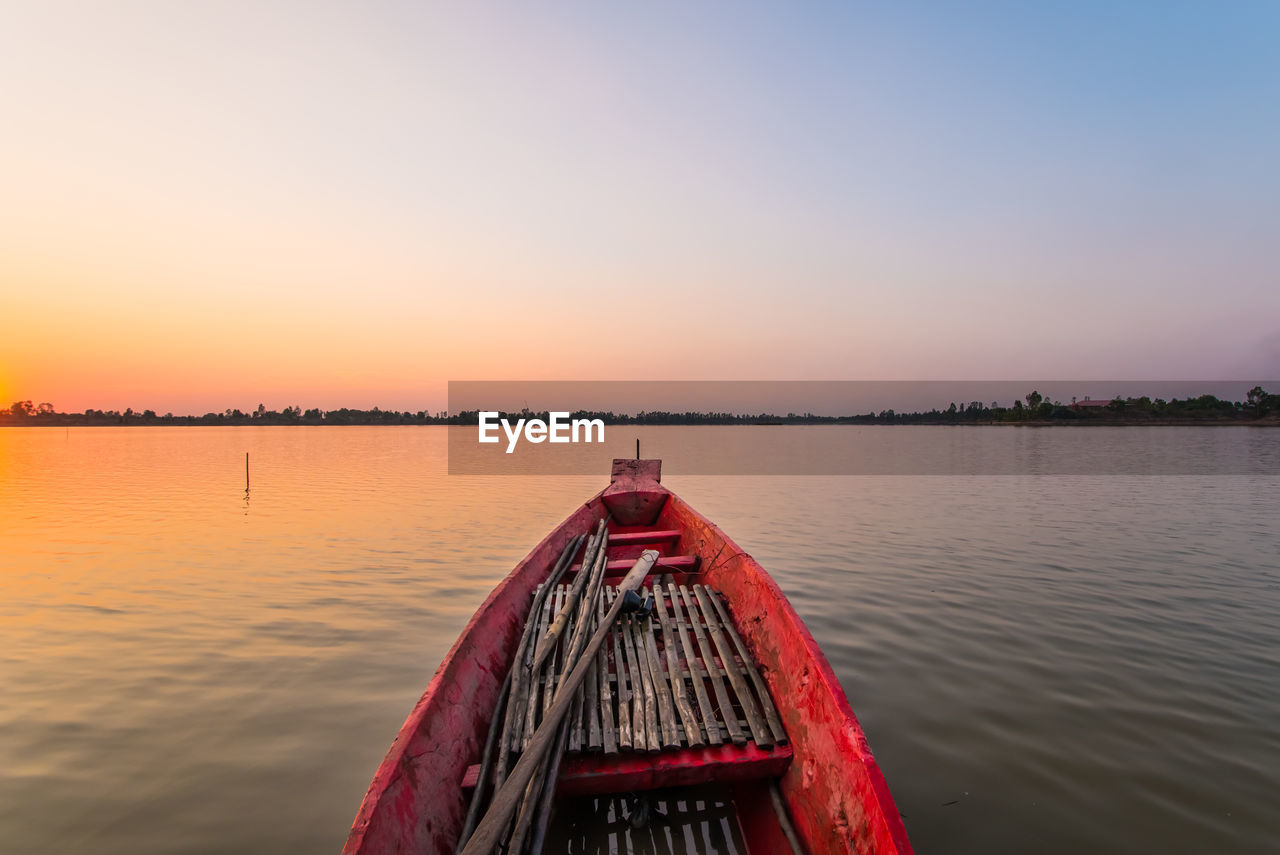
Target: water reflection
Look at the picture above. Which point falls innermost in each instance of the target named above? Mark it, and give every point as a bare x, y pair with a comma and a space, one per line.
956, 450
1091, 659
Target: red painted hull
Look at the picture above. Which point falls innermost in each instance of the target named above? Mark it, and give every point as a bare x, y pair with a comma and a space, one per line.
833, 789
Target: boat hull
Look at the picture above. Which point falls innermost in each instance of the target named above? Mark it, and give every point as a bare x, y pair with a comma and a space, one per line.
833, 788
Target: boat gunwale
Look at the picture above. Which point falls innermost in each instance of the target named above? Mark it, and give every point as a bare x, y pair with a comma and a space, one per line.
781, 610
391, 769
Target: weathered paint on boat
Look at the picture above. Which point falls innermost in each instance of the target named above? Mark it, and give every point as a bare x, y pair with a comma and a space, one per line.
833, 789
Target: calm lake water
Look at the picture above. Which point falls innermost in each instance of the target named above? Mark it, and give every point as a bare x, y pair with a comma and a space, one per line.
1041, 663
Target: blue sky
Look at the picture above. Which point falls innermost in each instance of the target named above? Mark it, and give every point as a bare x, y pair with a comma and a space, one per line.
371, 199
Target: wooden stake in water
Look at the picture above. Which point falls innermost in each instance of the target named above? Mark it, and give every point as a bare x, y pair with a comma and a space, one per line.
637, 448
246, 471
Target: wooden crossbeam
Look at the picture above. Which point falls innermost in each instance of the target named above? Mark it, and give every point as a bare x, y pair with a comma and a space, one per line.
598, 773
619, 566
638, 537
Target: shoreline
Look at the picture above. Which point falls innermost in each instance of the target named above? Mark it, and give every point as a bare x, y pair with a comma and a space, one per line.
1265, 422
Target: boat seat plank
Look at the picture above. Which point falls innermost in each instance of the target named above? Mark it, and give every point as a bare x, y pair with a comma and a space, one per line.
620, 566
597, 773
631, 538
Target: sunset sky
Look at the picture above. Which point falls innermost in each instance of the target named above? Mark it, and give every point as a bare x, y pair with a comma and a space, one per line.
209, 205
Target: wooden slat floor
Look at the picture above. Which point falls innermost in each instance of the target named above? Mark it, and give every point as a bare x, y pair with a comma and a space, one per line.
679, 678
681, 821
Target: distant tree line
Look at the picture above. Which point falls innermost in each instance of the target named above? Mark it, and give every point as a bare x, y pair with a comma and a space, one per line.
23, 412
1034, 408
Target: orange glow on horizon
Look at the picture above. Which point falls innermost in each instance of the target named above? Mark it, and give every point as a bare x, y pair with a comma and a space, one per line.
350, 219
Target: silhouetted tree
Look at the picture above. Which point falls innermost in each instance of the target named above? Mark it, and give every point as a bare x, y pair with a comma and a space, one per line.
1258, 399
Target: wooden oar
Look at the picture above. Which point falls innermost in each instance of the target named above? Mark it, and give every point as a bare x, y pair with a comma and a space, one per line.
494, 823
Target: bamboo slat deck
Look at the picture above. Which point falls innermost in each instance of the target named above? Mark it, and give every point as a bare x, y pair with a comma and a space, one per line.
679, 678
697, 819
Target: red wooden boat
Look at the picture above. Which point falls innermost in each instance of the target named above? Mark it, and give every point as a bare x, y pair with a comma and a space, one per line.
805, 780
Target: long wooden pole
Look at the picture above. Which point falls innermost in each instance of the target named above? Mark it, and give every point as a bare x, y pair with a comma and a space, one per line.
587, 603
784, 819
477, 795
508, 697
522, 663
533, 795
543, 818
548, 642
537, 792
495, 821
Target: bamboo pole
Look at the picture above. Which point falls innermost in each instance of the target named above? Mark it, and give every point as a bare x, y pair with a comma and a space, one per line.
548, 799
583, 629
549, 676
548, 641
538, 810
477, 795
567, 654
784, 819
536, 684
495, 820
519, 701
